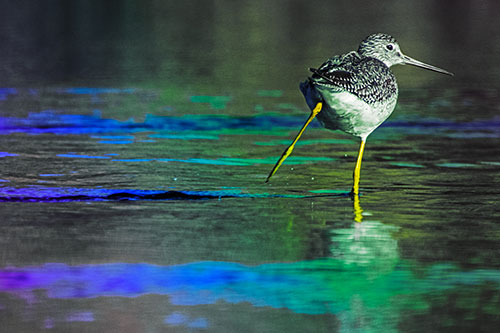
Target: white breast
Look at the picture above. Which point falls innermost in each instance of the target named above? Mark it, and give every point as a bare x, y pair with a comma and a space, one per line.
348, 113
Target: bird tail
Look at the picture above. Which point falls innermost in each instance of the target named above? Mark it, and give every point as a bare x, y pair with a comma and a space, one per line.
310, 93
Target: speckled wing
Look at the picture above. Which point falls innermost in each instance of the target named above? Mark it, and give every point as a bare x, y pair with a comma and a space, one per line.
367, 78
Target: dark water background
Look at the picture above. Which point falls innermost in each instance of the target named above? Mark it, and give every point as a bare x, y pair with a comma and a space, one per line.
136, 138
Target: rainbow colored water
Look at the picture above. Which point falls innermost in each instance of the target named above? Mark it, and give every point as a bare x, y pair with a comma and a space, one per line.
135, 139
172, 209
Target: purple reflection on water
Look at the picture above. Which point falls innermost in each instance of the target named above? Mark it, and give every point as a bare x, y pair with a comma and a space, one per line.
69, 194
314, 287
82, 156
190, 284
5, 92
50, 121
5, 154
55, 122
96, 91
179, 319
84, 316
48, 323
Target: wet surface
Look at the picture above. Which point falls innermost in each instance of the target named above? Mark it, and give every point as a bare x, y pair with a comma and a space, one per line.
171, 213
142, 206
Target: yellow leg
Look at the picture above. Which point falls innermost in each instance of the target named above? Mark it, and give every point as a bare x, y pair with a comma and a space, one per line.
357, 169
358, 212
289, 150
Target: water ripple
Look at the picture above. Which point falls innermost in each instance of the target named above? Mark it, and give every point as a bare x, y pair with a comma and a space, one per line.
54, 122
67, 194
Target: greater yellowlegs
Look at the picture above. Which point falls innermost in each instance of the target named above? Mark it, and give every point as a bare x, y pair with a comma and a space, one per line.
355, 92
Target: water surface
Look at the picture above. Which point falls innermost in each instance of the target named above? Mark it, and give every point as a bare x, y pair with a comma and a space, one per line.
133, 197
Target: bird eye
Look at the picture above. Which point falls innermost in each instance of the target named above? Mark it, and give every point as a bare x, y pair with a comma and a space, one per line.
389, 47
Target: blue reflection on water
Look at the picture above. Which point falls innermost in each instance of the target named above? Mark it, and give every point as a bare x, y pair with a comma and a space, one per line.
5, 154
219, 161
116, 142
179, 319
312, 287
80, 316
5, 92
185, 136
82, 156
54, 122
69, 194
113, 137
95, 91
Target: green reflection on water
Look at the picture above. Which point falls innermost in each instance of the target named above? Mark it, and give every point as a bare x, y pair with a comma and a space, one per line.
185, 136
328, 191
270, 93
457, 165
407, 165
216, 102
304, 142
251, 161
243, 49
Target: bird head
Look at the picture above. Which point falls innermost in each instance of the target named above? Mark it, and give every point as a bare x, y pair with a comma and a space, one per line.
386, 49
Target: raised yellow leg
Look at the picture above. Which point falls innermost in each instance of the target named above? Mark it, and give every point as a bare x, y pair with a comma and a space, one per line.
357, 169
289, 150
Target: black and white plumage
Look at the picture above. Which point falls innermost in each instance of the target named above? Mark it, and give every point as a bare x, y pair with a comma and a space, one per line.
367, 78
358, 90
355, 92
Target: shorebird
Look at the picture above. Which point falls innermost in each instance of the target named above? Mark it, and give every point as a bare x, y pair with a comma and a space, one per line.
355, 92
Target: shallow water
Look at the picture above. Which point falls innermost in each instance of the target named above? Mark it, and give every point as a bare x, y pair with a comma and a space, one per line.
169, 215
133, 205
